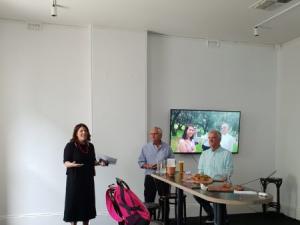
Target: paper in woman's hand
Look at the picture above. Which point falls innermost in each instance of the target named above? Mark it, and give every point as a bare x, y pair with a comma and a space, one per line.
77, 165
103, 162
108, 159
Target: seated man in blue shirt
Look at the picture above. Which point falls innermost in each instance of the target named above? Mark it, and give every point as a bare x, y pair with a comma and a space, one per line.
152, 153
217, 163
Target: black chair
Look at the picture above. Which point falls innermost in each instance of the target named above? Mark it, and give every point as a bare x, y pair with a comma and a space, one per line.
172, 200
272, 180
152, 207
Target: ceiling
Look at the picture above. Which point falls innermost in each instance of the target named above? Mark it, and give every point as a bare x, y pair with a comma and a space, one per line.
230, 20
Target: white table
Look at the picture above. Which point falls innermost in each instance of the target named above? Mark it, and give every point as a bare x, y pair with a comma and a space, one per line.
219, 199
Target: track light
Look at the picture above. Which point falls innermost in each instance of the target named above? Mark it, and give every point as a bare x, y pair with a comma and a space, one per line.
260, 25
54, 9
255, 31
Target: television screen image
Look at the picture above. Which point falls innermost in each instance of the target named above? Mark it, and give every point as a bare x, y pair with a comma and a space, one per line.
189, 129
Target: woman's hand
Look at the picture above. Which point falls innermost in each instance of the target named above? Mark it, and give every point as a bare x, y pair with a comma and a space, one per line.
73, 164
101, 162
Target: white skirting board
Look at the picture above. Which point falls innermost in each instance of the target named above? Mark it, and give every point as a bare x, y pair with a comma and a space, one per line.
104, 219
50, 219
291, 212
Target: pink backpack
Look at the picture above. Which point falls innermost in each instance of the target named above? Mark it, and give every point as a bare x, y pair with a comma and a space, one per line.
124, 206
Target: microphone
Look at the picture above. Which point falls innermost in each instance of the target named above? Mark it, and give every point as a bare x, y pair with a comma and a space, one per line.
248, 182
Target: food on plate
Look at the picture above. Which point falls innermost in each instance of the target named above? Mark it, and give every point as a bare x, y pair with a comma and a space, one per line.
220, 188
199, 177
226, 185
238, 188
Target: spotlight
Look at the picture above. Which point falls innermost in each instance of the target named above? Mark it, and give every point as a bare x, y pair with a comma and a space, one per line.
54, 7
53, 10
255, 31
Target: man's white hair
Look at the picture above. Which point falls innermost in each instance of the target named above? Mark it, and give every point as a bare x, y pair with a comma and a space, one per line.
218, 133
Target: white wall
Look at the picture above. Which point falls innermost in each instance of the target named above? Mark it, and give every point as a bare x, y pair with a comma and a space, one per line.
119, 104
287, 160
185, 73
44, 91
47, 86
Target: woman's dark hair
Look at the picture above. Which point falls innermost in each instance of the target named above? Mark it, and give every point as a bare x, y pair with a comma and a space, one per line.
76, 128
184, 135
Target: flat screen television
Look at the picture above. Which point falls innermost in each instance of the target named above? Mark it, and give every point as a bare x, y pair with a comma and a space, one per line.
189, 129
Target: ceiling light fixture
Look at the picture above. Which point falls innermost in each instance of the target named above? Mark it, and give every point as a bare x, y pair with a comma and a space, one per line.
54, 9
259, 25
255, 31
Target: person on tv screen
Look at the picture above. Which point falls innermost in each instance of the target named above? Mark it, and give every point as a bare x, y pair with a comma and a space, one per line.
152, 153
205, 143
227, 141
187, 143
217, 163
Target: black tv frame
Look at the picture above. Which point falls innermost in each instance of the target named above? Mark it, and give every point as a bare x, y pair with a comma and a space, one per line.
204, 110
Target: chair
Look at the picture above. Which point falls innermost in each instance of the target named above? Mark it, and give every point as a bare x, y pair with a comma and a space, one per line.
152, 207
272, 180
172, 199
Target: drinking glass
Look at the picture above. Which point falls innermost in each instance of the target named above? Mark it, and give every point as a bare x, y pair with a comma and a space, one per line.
158, 167
181, 166
228, 179
162, 167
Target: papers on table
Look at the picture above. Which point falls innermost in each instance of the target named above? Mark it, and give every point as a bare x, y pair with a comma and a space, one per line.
262, 194
245, 192
109, 159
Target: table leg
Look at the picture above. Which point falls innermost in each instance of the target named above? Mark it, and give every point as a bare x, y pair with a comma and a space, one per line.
219, 214
179, 208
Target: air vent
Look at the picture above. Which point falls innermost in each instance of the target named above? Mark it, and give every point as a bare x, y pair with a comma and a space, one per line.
269, 4
34, 26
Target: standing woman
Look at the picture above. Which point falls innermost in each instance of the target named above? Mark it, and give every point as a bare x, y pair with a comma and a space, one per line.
80, 161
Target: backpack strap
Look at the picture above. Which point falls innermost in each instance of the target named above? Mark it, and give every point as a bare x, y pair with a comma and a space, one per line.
123, 186
112, 207
122, 183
